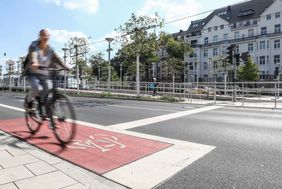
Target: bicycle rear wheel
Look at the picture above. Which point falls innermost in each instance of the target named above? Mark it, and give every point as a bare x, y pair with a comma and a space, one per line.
62, 118
32, 116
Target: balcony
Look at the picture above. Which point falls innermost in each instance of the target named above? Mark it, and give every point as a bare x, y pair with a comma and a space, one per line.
242, 38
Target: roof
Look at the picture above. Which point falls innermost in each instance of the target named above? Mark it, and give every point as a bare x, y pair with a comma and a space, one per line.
181, 33
235, 13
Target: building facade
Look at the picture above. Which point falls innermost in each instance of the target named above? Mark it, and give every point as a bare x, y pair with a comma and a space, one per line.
252, 26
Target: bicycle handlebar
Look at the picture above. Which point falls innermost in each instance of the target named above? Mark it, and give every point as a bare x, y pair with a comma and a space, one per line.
51, 69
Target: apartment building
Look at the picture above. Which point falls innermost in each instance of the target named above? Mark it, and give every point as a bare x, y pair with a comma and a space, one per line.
253, 26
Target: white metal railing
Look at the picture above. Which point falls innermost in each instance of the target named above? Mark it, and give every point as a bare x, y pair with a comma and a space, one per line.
243, 92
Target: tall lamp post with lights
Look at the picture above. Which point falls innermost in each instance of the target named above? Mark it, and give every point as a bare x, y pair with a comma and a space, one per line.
109, 39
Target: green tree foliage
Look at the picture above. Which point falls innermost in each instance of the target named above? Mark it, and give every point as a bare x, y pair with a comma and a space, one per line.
97, 63
176, 49
248, 72
138, 37
78, 48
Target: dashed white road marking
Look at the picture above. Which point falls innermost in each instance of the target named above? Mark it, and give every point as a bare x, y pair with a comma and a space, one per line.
154, 169
148, 121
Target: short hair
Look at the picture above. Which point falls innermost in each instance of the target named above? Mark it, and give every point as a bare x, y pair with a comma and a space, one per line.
41, 31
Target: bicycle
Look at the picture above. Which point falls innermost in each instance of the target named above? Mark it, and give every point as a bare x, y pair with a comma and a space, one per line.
59, 112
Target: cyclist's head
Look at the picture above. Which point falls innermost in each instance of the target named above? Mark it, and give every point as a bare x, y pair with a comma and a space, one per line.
44, 36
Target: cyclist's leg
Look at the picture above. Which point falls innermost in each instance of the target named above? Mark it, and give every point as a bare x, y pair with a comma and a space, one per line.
35, 89
47, 86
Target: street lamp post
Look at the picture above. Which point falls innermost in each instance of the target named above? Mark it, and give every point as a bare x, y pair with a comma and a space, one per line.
109, 39
120, 71
65, 77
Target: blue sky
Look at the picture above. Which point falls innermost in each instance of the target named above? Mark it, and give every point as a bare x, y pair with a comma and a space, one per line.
21, 20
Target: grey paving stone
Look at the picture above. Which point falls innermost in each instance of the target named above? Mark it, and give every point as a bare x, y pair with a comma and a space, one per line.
87, 178
8, 186
5, 154
15, 161
83, 176
41, 167
76, 186
15, 151
44, 156
54, 180
14, 174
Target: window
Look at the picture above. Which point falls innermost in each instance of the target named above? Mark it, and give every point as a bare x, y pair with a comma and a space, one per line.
205, 52
247, 23
277, 15
262, 45
255, 22
268, 17
263, 30
221, 27
225, 36
209, 29
233, 26
237, 49
277, 44
276, 59
224, 50
251, 32
215, 28
206, 40
236, 35
267, 44
205, 65
215, 38
250, 47
215, 52
277, 28
262, 60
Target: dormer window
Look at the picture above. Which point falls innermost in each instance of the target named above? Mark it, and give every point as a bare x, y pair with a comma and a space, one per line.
246, 12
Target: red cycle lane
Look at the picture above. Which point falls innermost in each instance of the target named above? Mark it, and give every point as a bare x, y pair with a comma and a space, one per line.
95, 149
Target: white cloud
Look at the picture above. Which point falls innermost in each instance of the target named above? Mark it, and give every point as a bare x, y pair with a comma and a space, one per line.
62, 36
172, 10
85, 5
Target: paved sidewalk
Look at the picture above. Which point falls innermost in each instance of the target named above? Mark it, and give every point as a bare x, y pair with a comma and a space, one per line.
23, 166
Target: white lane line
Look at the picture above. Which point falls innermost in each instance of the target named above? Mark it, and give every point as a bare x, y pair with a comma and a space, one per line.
161, 165
148, 121
141, 108
12, 107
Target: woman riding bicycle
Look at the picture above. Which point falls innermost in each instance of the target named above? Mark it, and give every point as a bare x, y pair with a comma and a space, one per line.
41, 54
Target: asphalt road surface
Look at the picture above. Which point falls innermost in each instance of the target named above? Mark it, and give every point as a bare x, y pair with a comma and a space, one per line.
247, 141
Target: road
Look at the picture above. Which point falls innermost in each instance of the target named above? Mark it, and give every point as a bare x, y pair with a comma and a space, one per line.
247, 142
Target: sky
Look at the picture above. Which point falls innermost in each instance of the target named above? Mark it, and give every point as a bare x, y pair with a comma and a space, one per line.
21, 20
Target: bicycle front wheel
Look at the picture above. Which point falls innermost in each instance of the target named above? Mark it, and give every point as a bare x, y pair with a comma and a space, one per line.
32, 116
62, 118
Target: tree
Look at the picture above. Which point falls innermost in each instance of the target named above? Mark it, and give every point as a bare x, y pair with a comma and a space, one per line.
176, 49
248, 72
78, 48
137, 40
96, 64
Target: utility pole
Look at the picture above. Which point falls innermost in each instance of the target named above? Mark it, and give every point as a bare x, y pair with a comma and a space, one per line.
109, 64
77, 68
65, 75
120, 72
137, 74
